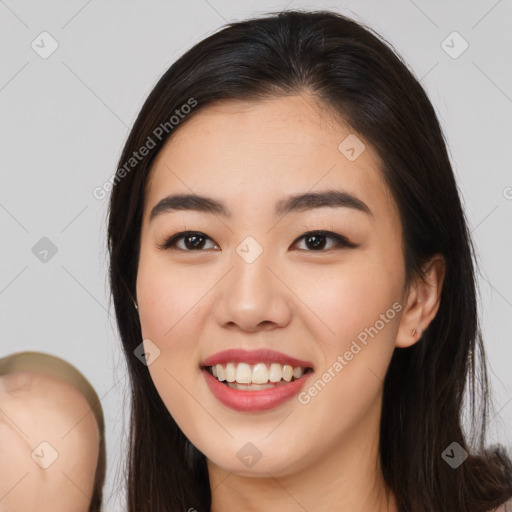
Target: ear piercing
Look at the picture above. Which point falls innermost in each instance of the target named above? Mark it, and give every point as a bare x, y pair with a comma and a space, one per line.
133, 300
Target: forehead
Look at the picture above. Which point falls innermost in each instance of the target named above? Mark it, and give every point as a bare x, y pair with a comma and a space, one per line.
253, 153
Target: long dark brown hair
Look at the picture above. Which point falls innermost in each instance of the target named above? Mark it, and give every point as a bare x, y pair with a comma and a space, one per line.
354, 72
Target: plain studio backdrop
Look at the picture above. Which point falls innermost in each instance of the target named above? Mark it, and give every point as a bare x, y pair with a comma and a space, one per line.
73, 77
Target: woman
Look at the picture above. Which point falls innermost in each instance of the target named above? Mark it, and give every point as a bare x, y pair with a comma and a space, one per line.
294, 286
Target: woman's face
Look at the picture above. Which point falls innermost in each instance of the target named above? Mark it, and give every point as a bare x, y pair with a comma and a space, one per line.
250, 280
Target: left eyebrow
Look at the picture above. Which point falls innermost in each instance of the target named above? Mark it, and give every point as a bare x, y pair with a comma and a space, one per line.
294, 203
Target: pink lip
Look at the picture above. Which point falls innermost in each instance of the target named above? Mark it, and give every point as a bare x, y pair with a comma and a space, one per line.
253, 357
247, 401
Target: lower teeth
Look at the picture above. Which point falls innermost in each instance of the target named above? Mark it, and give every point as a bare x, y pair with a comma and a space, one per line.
255, 387
248, 387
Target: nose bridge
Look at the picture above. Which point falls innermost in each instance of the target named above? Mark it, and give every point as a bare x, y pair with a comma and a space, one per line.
250, 270
252, 295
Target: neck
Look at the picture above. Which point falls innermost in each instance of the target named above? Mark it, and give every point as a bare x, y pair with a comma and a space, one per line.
348, 478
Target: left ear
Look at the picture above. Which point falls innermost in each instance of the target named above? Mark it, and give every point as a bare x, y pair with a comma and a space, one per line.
424, 298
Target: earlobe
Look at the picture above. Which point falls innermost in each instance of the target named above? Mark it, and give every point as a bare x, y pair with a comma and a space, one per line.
424, 298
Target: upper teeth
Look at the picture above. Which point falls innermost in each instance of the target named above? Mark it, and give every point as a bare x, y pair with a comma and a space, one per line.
259, 373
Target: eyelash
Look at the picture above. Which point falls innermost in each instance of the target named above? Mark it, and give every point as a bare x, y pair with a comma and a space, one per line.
341, 241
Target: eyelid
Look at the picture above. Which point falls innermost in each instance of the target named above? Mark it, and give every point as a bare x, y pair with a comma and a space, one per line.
341, 241
170, 242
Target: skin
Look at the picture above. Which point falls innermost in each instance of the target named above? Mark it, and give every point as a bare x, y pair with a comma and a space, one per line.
306, 302
39, 408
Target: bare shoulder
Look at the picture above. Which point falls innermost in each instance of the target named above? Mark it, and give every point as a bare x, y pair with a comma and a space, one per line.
506, 507
48, 444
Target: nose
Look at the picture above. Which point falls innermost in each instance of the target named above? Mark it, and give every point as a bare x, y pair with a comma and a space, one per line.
253, 296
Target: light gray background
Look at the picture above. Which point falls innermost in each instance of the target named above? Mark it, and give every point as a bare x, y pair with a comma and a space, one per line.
64, 120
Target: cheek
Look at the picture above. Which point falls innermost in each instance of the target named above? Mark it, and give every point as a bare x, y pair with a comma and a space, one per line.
356, 320
347, 299
361, 310
168, 298
169, 305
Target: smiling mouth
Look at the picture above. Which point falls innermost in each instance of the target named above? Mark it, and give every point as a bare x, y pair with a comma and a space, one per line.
245, 377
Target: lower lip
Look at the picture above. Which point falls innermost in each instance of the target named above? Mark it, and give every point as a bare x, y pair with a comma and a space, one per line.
253, 400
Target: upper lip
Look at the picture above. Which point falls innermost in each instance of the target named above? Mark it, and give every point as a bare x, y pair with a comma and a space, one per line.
253, 357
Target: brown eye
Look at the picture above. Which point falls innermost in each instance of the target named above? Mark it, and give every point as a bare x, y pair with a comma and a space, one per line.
316, 241
193, 241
